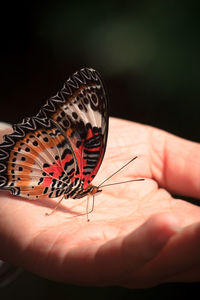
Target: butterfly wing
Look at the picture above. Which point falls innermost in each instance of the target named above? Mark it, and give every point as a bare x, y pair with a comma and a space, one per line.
36, 160
61, 149
80, 109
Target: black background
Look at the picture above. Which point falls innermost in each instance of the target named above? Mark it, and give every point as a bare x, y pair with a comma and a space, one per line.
148, 55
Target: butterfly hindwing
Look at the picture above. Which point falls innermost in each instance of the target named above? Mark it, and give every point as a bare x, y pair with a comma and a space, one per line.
41, 162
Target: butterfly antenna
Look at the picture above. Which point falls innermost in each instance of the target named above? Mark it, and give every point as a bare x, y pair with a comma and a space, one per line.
139, 179
117, 171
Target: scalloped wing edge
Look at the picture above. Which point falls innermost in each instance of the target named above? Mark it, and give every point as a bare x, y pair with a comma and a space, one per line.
72, 84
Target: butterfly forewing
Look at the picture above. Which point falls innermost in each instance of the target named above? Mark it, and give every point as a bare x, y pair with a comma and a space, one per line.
60, 150
80, 110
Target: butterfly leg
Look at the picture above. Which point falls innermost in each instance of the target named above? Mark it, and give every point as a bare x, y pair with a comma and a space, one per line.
54, 209
87, 207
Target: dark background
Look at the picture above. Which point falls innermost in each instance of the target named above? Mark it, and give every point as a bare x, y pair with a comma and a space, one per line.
148, 53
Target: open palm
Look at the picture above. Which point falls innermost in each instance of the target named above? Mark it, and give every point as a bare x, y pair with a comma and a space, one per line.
133, 237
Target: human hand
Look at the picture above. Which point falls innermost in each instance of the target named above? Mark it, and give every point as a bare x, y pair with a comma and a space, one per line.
138, 236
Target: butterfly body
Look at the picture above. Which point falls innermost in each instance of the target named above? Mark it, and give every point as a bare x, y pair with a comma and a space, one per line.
59, 151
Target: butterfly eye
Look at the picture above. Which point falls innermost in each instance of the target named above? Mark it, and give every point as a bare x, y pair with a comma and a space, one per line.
97, 193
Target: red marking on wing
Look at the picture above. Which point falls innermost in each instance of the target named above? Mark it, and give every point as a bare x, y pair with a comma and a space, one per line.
57, 170
90, 134
83, 162
95, 170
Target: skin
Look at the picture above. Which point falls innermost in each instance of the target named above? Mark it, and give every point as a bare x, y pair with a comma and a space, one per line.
138, 234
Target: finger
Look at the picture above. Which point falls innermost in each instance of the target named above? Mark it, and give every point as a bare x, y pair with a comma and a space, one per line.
118, 259
5, 128
176, 163
179, 256
4, 125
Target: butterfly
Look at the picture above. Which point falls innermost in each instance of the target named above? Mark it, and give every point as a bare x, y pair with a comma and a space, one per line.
58, 152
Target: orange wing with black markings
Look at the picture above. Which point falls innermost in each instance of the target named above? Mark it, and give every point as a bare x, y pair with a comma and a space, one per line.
61, 149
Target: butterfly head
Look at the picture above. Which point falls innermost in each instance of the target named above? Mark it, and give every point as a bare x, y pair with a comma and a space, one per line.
93, 190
